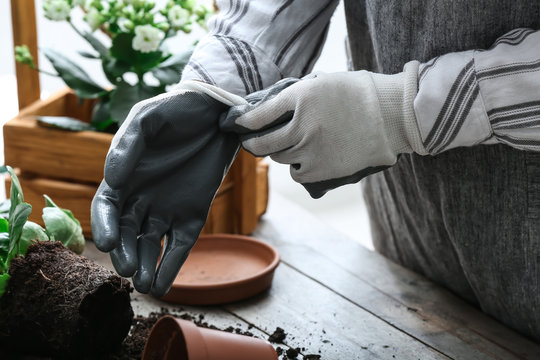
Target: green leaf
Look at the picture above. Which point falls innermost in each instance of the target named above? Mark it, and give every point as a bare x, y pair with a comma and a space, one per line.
65, 123
114, 69
170, 71
61, 227
4, 249
125, 96
88, 54
96, 43
16, 194
73, 75
3, 169
101, 114
31, 232
122, 49
50, 203
4, 279
4, 225
17, 219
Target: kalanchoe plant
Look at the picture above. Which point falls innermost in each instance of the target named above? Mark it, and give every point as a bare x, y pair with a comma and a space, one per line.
137, 30
17, 233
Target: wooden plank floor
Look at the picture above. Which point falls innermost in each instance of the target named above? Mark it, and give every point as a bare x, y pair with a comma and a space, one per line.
339, 300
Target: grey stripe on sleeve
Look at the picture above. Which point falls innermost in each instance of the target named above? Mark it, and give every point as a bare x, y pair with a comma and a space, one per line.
201, 71
251, 61
236, 17
245, 61
508, 69
426, 67
514, 37
515, 116
288, 44
226, 15
240, 66
455, 109
527, 144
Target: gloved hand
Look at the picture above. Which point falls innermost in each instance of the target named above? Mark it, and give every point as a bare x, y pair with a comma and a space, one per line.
164, 166
333, 129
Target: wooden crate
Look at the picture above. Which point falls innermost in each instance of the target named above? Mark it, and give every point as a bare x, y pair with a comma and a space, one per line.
68, 167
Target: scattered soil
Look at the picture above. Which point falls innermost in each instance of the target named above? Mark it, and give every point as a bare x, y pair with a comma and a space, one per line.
64, 305
278, 336
60, 305
133, 346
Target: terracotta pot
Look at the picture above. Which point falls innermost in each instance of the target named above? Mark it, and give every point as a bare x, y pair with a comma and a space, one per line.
175, 339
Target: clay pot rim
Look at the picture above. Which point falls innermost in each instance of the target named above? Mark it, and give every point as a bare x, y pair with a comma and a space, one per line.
219, 285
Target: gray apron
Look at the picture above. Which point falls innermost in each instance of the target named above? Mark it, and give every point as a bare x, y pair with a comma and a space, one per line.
468, 218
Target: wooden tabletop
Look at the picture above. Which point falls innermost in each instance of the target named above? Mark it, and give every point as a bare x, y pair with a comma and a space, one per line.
335, 298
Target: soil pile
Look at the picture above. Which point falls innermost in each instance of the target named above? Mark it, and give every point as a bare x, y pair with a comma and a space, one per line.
62, 304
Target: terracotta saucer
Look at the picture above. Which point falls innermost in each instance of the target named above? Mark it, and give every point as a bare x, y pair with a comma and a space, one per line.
222, 268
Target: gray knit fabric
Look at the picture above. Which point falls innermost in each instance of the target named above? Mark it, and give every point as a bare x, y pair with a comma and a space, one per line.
468, 218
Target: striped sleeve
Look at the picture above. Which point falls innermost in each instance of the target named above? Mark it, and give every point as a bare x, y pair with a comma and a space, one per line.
252, 44
482, 96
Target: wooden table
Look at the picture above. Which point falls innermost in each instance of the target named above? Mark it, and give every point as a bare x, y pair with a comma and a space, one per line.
335, 298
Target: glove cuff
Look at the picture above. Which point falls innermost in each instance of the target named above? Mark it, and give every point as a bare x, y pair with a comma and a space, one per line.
219, 94
396, 94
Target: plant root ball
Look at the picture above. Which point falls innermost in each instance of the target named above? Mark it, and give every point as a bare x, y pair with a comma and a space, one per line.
62, 304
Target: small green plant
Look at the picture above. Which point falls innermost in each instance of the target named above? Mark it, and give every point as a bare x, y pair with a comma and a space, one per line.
132, 40
17, 233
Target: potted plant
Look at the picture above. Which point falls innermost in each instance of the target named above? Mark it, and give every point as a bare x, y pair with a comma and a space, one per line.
59, 144
66, 304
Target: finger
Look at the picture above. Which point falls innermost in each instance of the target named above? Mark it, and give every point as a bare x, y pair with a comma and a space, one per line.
148, 251
124, 256
105, 211
248, 119
178, 245
228, 121
270, 92
272, 141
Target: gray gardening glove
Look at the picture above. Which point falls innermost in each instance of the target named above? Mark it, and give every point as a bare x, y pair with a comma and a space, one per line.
333, 129
163, 169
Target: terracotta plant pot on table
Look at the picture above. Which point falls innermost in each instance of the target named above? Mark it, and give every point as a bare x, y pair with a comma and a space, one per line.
175, 339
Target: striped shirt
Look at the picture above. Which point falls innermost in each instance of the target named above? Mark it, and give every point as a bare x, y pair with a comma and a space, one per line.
483, 96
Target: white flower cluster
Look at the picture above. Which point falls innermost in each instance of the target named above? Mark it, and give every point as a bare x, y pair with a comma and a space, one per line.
147, 38
57, 10
178, 16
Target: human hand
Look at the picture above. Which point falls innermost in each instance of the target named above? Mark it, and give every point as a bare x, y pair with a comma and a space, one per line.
164, 166
333, 129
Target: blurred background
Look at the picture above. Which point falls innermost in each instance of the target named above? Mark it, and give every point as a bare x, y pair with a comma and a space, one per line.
343, 208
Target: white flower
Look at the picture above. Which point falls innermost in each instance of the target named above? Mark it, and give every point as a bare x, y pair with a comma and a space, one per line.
93, 19
178, 16
147, 38
78, 3
57, 10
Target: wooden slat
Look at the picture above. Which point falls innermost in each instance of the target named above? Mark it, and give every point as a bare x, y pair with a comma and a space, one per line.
262, 187
396, 295
55, 153
245, 192
78, 198
23, 17
321, 320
